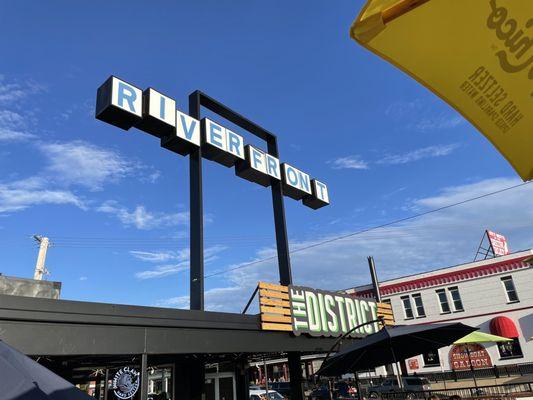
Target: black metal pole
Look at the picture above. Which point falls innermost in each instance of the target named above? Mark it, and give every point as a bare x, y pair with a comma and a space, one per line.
282, 241
106, 384
471, 368
144, 376
196, 216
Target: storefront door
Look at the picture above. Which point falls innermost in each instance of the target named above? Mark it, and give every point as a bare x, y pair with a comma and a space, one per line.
220, 386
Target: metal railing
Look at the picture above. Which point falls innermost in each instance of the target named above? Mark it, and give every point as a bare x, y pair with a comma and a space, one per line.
506, 391
500, 371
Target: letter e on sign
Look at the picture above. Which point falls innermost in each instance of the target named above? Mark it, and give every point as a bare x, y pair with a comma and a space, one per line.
119, 103
215, 143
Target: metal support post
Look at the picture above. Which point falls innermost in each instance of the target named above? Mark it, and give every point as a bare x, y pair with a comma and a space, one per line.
144, 376
196, 216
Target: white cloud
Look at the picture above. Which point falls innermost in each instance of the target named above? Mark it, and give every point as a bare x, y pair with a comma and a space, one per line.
159, 256
85, 164
11, 135
436, 240
350, 162
217, 297
424, 116
19, 195
14, 91
181, 256
141, 218
13, 127
419, 154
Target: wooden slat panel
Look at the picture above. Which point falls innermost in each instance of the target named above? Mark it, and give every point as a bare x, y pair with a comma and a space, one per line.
389, 314
275, 310
272, 286
274, 302
388, 318
276, 318
385, 305
276, 327
277, 295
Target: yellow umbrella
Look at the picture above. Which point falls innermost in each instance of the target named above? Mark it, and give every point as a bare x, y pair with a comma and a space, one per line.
477, 55
479, 337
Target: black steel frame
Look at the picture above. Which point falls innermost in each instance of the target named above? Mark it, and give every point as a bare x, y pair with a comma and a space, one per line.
197, 100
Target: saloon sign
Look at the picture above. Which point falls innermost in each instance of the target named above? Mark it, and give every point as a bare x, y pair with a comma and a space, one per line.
476, 355
303, 310
124, 105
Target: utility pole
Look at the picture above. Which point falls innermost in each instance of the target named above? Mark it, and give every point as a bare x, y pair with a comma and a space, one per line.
374, 276
40, 268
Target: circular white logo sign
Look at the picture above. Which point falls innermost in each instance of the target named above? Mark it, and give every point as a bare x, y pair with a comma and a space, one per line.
126, 383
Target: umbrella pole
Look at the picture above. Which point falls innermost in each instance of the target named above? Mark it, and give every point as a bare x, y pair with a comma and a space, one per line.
471, 368
398, 370
357, 386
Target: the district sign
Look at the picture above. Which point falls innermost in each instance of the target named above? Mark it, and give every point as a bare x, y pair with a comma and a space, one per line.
302, 310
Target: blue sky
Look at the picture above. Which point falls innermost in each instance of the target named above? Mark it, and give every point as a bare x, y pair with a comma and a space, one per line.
115, 205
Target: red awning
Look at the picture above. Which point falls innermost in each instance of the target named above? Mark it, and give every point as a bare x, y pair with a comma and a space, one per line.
503, 326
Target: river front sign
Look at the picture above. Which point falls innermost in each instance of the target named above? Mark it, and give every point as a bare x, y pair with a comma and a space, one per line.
124, 105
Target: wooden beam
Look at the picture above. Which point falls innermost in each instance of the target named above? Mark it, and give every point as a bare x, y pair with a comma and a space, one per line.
276, 327
274, 302
276, 318
277, 295
272, 286
274, 310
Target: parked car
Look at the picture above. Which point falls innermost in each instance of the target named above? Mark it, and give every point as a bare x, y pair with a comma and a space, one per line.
341, 391
283, 388
261, 394
411, 385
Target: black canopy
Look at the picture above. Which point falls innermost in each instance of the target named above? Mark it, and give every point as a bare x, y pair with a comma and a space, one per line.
21, 378
392, 344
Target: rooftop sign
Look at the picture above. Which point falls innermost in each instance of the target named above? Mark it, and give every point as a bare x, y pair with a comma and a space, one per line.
124, 105
303, 310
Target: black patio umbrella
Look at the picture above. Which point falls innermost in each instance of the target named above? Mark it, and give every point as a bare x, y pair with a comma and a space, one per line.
392, 344
21, 378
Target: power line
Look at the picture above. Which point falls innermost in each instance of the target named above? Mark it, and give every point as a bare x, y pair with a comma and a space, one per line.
334, 239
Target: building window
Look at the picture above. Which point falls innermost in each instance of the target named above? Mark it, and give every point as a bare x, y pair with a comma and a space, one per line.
443, 300
431, 358
510, 290
456, 298
419, 306
510, 349
407, 307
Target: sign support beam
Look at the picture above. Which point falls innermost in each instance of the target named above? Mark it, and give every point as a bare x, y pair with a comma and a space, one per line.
196, 216
197, 100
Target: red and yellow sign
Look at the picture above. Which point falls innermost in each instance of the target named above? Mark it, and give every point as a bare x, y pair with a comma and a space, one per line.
477, 55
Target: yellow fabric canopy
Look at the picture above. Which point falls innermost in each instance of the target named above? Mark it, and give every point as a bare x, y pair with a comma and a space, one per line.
481, 337
477, 55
